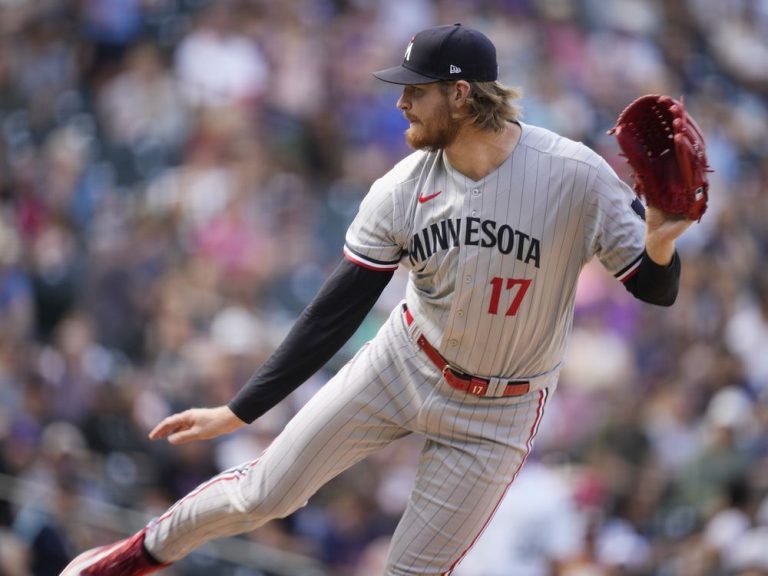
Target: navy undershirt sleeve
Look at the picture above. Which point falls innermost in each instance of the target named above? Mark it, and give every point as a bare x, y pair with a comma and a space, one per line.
324, 326
655, 284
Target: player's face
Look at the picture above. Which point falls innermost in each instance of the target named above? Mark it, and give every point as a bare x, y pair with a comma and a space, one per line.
428, 111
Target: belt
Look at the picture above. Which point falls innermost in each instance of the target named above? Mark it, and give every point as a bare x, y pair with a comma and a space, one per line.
458, 379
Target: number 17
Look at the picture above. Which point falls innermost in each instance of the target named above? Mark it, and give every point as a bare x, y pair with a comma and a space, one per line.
498, 283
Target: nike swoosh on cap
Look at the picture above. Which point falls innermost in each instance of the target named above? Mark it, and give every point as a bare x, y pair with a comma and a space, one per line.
428, 197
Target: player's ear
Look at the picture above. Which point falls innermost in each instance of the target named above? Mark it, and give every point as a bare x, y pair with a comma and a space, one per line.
459, 92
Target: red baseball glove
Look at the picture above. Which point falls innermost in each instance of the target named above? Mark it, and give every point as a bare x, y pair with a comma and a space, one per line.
667, 153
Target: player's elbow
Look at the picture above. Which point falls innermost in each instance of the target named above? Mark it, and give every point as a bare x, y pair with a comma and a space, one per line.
664, 299
656, 294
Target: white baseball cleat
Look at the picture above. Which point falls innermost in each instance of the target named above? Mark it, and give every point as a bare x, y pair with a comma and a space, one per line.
123, 558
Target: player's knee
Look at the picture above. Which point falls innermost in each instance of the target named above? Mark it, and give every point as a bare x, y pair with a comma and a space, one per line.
272, 504
254, 495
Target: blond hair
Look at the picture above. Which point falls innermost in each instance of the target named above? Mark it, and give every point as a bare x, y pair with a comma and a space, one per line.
491, 104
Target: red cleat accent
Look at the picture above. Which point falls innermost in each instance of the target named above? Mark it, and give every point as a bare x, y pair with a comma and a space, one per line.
124, 558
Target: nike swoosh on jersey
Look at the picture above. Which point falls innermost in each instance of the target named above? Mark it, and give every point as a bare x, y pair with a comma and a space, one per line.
428, 197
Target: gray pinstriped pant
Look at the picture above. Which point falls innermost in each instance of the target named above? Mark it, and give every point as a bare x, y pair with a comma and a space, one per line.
474, 448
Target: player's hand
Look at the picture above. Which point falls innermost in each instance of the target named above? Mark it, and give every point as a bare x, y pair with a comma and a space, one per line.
196, 424
661, 231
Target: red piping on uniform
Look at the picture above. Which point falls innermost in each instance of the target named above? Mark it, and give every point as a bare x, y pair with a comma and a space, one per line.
529, 444
632, 273
364, 264
631, 270
208, 484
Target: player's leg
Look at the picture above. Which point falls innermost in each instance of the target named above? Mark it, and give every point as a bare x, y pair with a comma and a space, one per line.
371, 402
474, 450
350, 417
368, 404
353, 415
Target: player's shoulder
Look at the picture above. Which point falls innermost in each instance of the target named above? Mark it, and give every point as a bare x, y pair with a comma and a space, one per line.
546, 141
407, 170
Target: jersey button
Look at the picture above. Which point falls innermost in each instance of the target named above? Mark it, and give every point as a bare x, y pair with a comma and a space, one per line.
474, 212
475, 192
460, 313
453, 342
467, 279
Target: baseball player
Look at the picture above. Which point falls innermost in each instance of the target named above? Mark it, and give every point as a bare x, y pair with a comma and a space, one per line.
494, 219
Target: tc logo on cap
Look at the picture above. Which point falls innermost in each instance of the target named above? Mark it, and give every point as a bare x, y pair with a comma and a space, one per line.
408, 50
445, 53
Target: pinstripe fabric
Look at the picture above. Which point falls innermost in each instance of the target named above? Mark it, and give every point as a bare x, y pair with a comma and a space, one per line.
473, 449
552, 197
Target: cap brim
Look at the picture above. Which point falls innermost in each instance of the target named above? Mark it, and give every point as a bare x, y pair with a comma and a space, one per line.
402, 75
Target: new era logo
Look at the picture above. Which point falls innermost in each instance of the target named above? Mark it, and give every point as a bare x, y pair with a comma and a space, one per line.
454, 69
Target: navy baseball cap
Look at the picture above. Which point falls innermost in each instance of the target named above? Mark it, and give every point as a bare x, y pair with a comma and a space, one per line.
445, 53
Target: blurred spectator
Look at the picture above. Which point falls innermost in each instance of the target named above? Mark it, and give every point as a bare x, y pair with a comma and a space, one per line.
723, 457
535, 531
111, 26
217, 65
14, 555
143, 113
728, 526
16, 295
747, 336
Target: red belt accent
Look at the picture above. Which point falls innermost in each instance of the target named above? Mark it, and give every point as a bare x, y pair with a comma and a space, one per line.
458, 380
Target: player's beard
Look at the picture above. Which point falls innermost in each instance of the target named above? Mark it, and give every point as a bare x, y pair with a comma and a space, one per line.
435, 133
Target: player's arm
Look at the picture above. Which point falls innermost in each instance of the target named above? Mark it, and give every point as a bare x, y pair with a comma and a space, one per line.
322, 329
657, 277
373, 247
637, 242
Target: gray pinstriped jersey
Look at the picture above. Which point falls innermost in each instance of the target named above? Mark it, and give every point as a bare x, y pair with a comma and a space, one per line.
494, 263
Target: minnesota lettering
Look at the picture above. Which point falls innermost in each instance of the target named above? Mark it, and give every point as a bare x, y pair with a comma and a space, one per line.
473, 232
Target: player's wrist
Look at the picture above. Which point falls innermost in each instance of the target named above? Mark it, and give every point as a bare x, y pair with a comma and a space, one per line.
660, 251
229, 419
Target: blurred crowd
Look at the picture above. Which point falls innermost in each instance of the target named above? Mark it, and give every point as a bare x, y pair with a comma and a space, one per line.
176, 177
